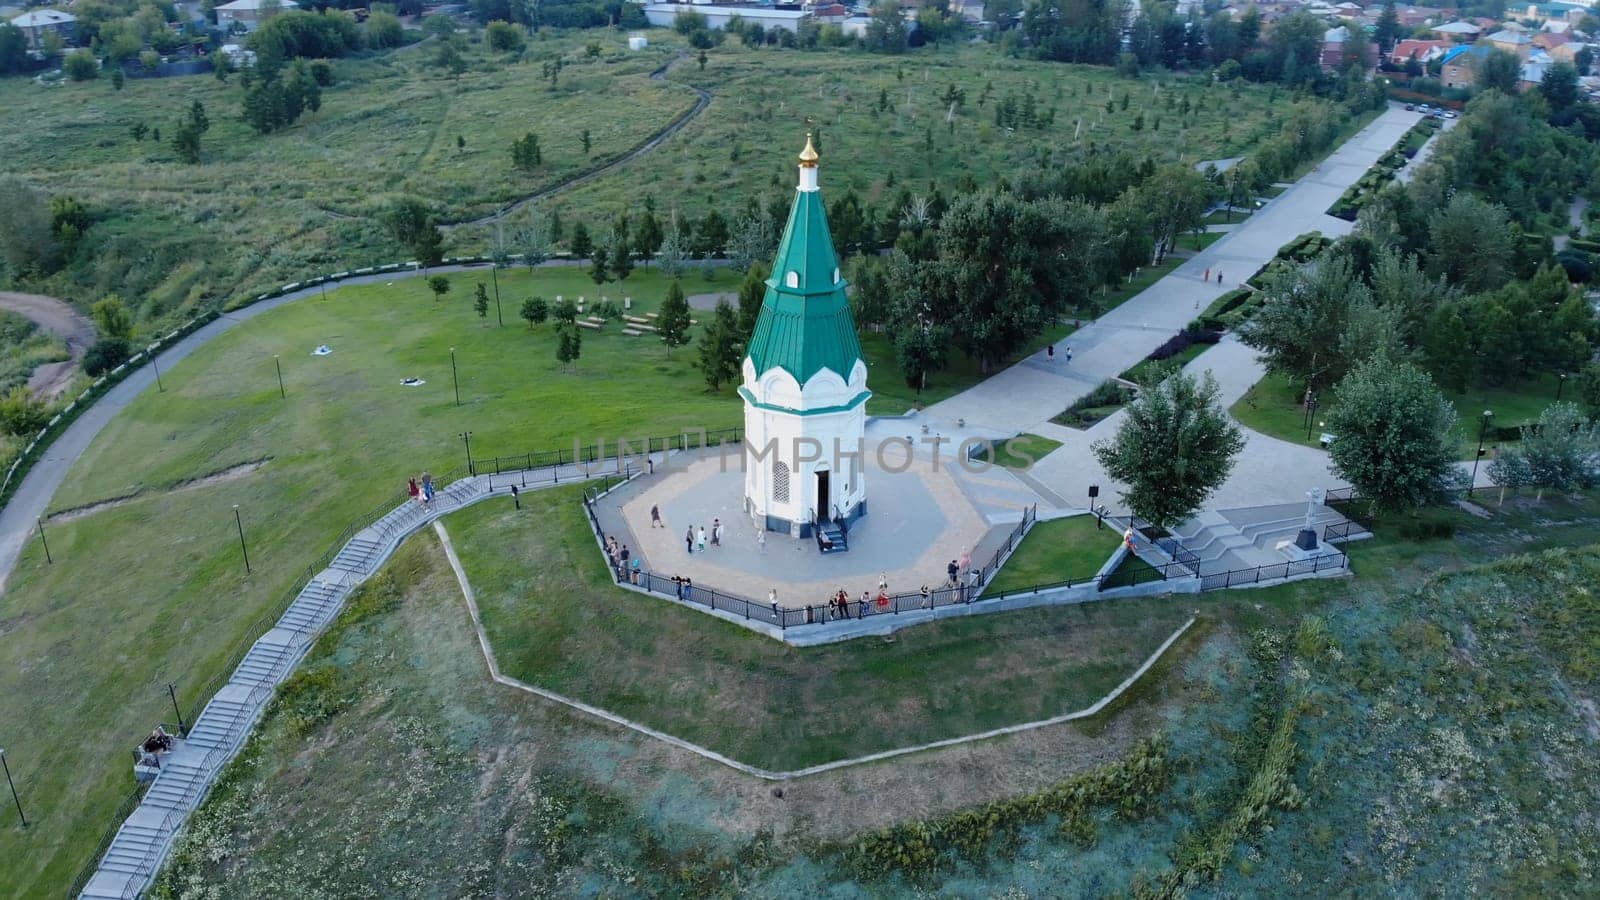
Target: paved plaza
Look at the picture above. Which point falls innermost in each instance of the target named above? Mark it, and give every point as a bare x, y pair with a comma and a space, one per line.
917, 521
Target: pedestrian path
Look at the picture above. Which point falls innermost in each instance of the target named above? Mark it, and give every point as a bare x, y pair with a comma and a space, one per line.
141, 845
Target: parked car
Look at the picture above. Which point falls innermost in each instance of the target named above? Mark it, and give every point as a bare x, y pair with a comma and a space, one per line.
1410, 107
1449, 114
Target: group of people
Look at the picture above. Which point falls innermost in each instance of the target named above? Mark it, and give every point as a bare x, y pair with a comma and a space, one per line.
695, 537
1050, 352
422, 493
157, 743
624, 565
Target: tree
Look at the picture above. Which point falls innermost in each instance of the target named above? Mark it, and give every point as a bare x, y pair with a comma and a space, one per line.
1388, 28
647, 236
440, 286
480, 301
13, 49
752, 293
534, 241
720, 348
581, 244
569, 344
535, 310
586, 140
1561, 453
1393, 435
139, 130
27, 239
1499, 71
753, 240
672, 252
711, 235
105, 355
384, 30
672, 321
597, 268
118, 79
1298, 328
186, 141
1176, 446
413, 225
1470, 243
621, 253
21, 413
80, 65
111, 318
525, 152
1174, 200
504, 37
886, 32
1560, 87
564, 311
449, 57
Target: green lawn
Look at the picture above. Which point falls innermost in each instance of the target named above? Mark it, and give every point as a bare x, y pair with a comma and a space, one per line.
1197, 242
555, 620
154, 591
1146, 367
1227, 216
1023, 451
1071, 549
1272, 407
891, 396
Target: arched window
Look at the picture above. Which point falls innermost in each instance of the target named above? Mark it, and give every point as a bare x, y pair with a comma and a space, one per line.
835, 274
780, 482
792, 279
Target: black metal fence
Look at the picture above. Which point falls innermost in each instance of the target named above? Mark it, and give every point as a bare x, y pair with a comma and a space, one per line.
601, 450
1289, 569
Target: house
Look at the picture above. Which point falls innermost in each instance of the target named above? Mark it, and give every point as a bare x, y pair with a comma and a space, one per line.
1460, 32
37, 24
248, 15
1511, 42
1459, 67
1567, 52
1421, 51
1417, 16
1547, 41
1340, 48
662, 15
1532, 74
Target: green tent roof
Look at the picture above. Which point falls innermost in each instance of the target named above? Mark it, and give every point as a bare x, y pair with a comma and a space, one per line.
806, 326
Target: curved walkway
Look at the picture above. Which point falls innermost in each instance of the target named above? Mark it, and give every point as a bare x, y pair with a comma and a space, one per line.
60, 319
702, 100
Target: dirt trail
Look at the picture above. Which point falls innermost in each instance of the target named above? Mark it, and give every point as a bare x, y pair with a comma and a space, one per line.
60, 319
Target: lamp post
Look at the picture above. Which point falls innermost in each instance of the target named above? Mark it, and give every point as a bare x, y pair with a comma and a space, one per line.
242, 548
1561, 382
1311, 413
466, 438
1483, 429
39, 520
494, 272
172, 691
277, 364
155, 365
454, 380
13, 785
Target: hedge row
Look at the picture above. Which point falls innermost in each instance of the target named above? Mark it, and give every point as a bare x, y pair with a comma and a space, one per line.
1358, 195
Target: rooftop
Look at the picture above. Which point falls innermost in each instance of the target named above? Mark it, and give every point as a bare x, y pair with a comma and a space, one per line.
41, 17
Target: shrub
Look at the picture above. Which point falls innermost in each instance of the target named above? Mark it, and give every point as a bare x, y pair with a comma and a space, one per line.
504, 37
105, 355
80, 65
1427, 528
21, 413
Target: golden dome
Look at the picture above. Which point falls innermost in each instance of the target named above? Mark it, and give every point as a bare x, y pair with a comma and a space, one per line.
808, 156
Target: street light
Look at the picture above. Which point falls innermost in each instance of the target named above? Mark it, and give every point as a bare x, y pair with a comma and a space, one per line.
1561, 382
13, 785
1311, 412
466, 438
172, 691
47, 559
242, 548
456, 382
279, 366
494, 272
1483, 429
156, 365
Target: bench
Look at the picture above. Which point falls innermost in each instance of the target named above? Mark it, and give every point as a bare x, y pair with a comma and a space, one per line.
589, 325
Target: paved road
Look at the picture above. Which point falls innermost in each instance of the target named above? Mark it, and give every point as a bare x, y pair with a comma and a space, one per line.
60, 319
1026, 395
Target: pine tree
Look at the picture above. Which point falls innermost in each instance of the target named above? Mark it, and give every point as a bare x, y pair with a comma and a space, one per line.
581, 244
621, 254
752, 291
720, 347
480, 301
569, 344
673, 321
597, 269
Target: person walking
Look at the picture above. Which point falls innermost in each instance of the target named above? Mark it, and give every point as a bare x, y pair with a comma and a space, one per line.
1219, 276
688, 540
1207, 276
716, 532
412, 490
1069, 354
655, 517
952, 571
883, 581
1050, 352
761, 540
700, 539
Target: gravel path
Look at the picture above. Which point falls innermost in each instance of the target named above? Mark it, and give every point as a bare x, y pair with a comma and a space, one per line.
60, 319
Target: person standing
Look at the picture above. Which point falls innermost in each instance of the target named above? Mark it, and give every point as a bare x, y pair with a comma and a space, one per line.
952, 571
716, 532
761, 540
412, 490
927, 597
701, 539
1050, 352
688, 540
655, 517
1219, 276
1207, 276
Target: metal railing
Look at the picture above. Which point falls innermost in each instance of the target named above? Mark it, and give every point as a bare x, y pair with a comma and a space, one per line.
1288, 569
572, 456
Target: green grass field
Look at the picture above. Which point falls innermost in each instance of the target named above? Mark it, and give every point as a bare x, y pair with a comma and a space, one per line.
556, 621
1054, 551
262, 211
1273, 408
